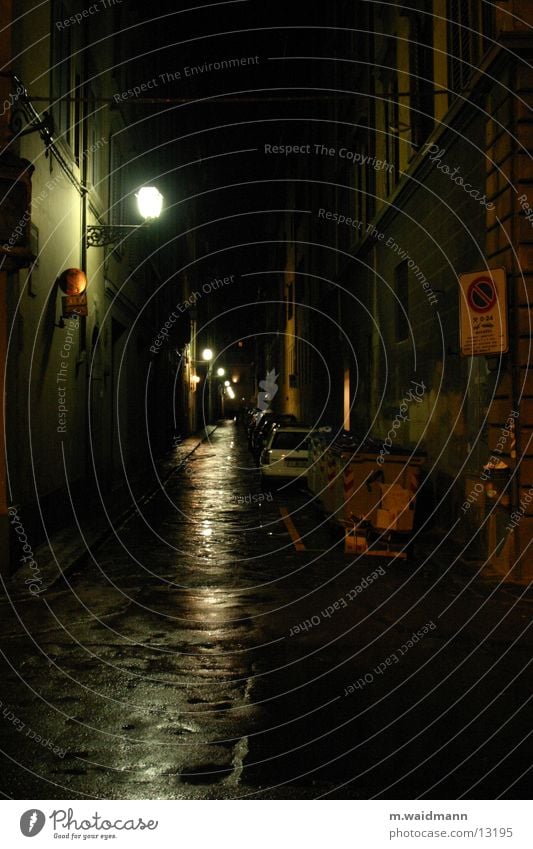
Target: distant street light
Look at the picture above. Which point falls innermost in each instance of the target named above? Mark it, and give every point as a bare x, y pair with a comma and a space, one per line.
221, 372
207, 354
226, 383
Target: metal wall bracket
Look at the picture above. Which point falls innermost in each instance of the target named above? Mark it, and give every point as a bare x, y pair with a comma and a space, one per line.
100, 235
45, 127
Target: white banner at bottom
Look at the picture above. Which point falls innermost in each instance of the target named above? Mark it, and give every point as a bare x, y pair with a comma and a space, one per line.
255, 824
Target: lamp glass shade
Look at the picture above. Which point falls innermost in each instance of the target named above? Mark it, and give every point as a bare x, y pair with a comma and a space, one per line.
73, 281
150, 202
207, 354
221, 372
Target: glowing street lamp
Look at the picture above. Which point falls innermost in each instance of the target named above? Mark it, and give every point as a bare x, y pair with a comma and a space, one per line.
221, 372
207, 355
149, 204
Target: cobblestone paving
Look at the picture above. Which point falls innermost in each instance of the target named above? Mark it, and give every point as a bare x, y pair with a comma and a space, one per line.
199, 655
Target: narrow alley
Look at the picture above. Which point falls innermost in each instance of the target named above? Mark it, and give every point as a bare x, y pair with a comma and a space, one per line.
223, 645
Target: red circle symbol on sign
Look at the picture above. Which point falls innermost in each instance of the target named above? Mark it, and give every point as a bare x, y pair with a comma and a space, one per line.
481, 294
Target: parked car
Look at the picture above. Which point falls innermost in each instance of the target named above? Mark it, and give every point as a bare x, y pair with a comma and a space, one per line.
261, 416
248, 414
286, 455
264, 428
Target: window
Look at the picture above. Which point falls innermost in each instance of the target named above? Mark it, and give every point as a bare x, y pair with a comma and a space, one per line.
77, 130
302, 362
394, 172
370, 147
392, 136
290, 301
290, 441
370, 198
401, 290
116, 179
489, 25
465, 41
61, 73
96, 145
421, 79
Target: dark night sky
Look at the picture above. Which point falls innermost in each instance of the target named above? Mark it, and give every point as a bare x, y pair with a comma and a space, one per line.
213, 128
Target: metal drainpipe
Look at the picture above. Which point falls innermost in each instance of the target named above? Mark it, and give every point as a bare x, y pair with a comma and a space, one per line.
5, 87
4, 521
84, 321
515, 366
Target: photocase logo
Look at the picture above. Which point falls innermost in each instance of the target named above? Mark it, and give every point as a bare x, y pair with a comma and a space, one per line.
32, 822
269, 387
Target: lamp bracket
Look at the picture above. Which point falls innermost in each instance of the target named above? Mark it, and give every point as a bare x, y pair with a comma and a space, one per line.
100, 235
21, 116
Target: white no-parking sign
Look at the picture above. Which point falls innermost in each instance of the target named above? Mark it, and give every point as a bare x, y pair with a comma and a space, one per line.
483, 313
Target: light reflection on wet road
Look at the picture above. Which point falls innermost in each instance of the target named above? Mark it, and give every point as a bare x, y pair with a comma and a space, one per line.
175, 665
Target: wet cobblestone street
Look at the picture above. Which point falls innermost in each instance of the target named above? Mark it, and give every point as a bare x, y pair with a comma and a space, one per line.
198, 654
